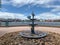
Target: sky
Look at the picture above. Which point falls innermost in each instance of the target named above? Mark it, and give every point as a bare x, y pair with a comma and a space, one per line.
20, 9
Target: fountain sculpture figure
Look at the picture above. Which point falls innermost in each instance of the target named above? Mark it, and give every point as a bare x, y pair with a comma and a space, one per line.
33, 34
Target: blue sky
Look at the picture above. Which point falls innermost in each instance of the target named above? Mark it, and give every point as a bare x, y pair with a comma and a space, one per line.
43, 9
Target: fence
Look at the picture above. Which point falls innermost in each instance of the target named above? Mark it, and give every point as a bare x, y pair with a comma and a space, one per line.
27, 23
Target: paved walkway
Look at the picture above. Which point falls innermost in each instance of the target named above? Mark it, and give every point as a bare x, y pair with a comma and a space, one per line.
4, 30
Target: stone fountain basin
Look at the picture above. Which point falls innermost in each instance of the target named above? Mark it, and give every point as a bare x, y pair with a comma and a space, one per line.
28, 34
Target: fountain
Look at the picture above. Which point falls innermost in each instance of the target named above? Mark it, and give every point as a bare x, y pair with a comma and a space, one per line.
32, 34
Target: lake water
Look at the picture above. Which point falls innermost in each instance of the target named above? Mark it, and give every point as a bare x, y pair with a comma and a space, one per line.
27, 23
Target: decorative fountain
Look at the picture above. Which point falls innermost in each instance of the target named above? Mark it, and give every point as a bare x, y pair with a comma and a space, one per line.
32, 34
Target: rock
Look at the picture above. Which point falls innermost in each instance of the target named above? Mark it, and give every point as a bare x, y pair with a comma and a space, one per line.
11, 43
19, 44
42, 43
9, 39
16, 43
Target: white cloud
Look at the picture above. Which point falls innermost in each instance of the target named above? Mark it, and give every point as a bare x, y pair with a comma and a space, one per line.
24, 2
48, 16
5, 2
51, 6
3, 9
56, 9
44, 3
59, 13
7, 15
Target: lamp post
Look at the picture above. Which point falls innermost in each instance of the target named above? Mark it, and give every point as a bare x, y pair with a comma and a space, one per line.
6, 23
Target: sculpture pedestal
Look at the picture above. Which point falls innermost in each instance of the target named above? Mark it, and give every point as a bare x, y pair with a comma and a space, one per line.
28, 34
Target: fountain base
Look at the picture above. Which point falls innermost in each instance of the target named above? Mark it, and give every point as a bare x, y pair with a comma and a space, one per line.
28, 34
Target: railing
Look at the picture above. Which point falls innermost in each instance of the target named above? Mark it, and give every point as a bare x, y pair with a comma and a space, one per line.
27, 23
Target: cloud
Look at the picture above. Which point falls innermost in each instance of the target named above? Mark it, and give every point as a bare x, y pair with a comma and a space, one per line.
50, 6
43, 3
7, 15
3, 9
5, 2
56, 9
26, 1
48, 15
